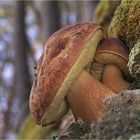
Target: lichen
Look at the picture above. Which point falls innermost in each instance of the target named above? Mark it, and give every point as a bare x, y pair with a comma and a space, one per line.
134, 60
125, 98
118, 123
134, 66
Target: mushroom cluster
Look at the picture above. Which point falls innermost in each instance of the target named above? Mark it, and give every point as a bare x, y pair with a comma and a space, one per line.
66, 76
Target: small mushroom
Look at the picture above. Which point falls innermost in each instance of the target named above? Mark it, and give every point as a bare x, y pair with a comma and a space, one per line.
114, 55
67, 56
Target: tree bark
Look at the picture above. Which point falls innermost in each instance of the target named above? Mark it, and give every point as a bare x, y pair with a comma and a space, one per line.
21, 44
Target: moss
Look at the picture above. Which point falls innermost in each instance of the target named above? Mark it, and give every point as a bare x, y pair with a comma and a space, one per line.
27, 126
126, 22
104, 12
30, 130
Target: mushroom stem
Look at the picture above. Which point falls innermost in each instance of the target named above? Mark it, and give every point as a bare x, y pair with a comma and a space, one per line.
86, 97
113, 78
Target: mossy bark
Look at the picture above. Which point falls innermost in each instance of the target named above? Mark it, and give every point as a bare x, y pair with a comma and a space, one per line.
125, 25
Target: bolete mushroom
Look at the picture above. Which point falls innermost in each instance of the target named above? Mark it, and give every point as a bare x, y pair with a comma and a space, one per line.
62, 70
114, 55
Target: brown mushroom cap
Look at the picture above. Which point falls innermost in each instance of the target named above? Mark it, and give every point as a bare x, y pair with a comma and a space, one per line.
113, 51
67, 52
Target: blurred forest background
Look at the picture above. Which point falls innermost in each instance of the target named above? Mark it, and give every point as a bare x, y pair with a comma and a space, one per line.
24, 28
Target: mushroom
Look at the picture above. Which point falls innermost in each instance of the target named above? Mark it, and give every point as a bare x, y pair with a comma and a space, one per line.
114, 55
68, 54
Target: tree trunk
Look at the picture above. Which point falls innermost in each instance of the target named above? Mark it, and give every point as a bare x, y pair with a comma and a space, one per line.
21, 44
50, 17
87, 10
